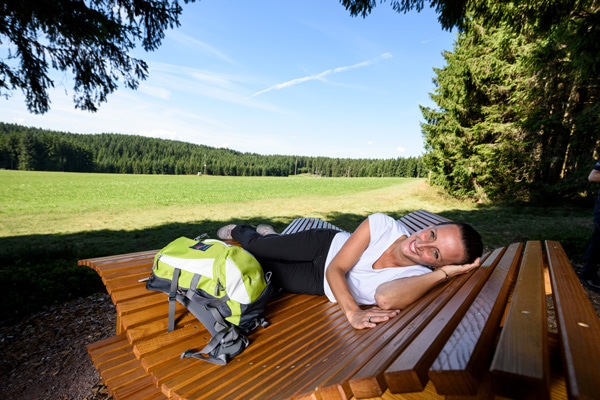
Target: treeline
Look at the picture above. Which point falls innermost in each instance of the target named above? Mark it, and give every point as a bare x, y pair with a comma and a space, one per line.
24, 148
518, 102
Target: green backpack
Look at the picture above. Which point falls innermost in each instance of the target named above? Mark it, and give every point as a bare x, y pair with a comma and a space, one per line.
223, 286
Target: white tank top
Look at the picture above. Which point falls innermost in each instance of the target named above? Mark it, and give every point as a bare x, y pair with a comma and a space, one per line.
362, 279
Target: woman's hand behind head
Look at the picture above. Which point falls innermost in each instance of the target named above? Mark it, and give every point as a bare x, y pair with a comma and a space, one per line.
459, 269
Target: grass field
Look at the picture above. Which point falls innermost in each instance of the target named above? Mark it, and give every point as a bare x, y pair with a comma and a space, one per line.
50, 220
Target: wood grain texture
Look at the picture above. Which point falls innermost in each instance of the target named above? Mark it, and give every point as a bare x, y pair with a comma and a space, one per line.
461, 364
520, 367
578, 326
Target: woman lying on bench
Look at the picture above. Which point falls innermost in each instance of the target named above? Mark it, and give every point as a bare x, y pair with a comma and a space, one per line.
380, 264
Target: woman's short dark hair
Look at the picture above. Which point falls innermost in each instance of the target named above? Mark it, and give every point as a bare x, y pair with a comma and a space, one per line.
471, 240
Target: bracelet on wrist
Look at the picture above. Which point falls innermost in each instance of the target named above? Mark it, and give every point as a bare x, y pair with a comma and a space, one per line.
447, 276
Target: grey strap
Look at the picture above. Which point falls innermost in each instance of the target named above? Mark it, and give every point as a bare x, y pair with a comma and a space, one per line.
222, 347
173, 298
193, 286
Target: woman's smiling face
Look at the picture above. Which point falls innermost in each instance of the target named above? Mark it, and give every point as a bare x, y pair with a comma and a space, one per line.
435, 246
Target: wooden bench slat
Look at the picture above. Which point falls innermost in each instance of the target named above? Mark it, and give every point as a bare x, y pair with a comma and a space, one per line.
421, 219
152, 299
100, 264
100, 357
265, 376
410, 224
408, 372
521, 365
414, 224
297, 225
292, 227
108, 375
107, 367
578, 324
147, 314
149, 323
115, 365
125, 379
431, 217
302, 224
313, 223
143, 348
142, 388
172, 385
460, 366
123, 268
142, 268
157, 326
154, 360
182, 370
125, 284
137, 289
106, 345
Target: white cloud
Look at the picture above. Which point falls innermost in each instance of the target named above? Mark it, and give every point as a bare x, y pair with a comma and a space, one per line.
400, 149
199, 46
322, 75
161, 93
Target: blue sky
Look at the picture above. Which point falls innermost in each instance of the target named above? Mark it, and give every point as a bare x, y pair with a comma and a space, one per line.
273, 77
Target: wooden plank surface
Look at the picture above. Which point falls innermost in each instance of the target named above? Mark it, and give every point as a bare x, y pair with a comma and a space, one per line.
299, 340
520, 367
101, 264
121, 371
308, 351
335, 381
409, 371
369, 380
578, 325
461, 365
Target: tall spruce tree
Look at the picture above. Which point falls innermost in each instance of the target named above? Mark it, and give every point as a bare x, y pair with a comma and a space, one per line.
518, 107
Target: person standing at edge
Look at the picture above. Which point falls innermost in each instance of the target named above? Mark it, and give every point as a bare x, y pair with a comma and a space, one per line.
591, 259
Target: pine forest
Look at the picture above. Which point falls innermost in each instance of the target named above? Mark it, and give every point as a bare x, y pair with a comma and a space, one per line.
32, 149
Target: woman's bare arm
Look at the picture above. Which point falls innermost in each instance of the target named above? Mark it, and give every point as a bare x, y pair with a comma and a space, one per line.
400, 293
346, 258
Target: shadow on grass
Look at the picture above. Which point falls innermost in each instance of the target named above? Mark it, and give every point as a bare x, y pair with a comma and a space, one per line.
41, 270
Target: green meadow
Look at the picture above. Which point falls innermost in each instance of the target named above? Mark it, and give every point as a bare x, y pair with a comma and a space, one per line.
49, 220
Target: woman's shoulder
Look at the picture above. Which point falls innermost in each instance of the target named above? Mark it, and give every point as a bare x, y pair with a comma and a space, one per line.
380, 217
384, 218
383, 222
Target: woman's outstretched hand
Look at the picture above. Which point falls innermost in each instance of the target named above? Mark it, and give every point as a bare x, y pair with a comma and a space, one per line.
455, 270
370, 317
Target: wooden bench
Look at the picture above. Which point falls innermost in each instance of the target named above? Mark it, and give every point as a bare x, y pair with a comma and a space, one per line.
481, 335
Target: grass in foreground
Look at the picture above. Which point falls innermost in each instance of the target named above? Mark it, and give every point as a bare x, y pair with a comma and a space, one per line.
50, 220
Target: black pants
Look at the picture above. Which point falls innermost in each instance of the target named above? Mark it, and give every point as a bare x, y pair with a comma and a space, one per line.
591, 258
297, 261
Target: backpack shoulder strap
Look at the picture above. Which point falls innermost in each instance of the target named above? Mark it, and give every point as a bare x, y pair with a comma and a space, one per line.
222, 347
173, 299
